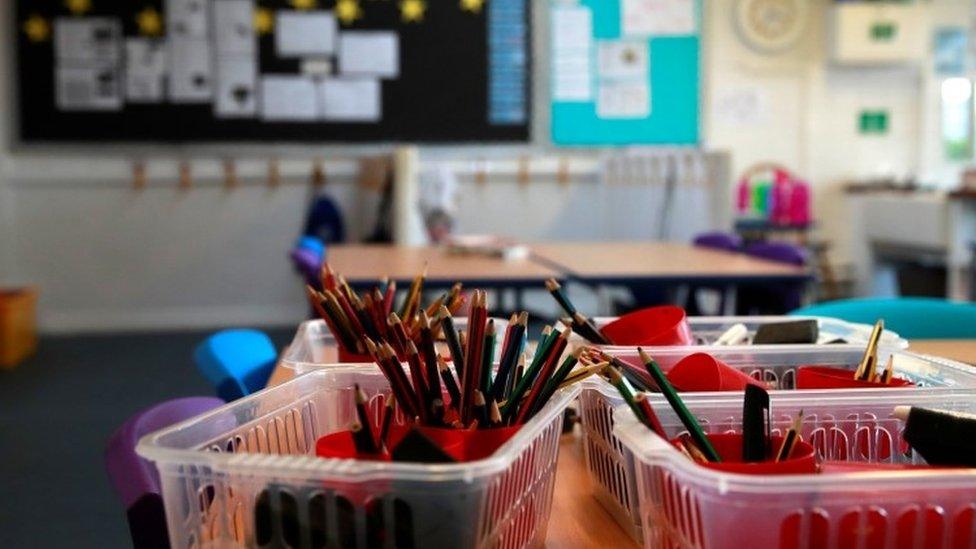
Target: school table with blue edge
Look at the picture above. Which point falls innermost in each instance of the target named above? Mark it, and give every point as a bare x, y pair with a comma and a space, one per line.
662, 263
363, 265
578, 520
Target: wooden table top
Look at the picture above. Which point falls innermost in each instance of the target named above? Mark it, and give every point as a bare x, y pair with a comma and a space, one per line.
368, 263
963, 350
578, 519
663, 260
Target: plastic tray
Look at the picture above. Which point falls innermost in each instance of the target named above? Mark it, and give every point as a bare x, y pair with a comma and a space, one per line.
706, 329
686, 505
314, 346
216, 468
612, 472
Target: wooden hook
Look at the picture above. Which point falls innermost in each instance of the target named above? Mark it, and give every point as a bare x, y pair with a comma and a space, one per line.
318, 174
523, 170
481, 172
230, 175
274, 173
186, 176
562, 172
139, 177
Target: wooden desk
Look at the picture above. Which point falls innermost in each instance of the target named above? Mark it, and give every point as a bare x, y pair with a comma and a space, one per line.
578, 520
665, 262
963, 350
366, 264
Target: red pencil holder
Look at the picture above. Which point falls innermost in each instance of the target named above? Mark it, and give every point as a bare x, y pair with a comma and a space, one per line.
653, 326
802, 459
340, 445
825, 377
703, 372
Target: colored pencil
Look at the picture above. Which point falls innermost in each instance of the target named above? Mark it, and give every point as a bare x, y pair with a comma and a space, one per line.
451, 337
791, 438
686, 417
363, 437
449, 383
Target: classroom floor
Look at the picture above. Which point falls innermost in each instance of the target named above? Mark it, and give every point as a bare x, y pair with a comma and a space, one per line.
58, 409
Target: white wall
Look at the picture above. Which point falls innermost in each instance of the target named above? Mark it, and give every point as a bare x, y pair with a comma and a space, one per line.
812, 107
107, 257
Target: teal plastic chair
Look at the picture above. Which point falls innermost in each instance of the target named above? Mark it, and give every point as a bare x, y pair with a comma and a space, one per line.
236, 362
910, 317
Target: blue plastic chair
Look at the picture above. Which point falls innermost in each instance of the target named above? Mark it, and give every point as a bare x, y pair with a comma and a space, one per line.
236, 362
136, 480
910, 317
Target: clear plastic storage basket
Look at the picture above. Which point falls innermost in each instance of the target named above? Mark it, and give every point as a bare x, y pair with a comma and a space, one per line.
685, 505
707, 329
314, 346
609, 465
245, 475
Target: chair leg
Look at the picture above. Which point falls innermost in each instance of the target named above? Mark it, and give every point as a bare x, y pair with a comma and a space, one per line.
682, 294
729, 300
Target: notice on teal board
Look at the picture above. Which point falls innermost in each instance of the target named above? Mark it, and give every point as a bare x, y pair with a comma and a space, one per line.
617, 86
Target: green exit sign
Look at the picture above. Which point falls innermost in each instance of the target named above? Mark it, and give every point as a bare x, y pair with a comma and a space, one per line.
873, 122
883, 31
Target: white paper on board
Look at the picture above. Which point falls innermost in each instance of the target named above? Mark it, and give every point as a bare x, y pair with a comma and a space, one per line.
234, 27
190, 71
187, 19
572, 50
351, 99
372, 53
741, 106
236, 87
298, 34
623, 99
88, 88
643, 18
623, 59
288, 98
87, 39
320, 67
145, 70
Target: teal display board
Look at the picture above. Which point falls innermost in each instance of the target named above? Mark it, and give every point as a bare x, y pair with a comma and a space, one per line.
625, 71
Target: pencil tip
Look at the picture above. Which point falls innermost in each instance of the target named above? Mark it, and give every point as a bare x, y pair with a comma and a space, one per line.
902, 412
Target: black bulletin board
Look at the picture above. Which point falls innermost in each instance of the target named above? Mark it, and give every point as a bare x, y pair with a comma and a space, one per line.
443, 92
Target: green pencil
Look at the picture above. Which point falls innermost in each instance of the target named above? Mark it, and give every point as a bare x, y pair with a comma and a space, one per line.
687, 419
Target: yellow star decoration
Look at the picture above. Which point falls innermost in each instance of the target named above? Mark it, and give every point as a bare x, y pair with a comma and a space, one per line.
78, 7
347, 11
263, 21
37, 28
412, 11
149, 21
474, 6
304, 4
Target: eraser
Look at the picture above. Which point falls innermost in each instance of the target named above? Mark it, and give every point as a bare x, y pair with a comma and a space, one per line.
781, 333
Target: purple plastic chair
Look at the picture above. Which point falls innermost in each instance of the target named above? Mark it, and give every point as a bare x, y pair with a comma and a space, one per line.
774, 298
308, 264
134, 479
717, 240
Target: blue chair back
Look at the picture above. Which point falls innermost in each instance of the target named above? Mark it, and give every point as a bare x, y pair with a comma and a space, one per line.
910, 317
236, 362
